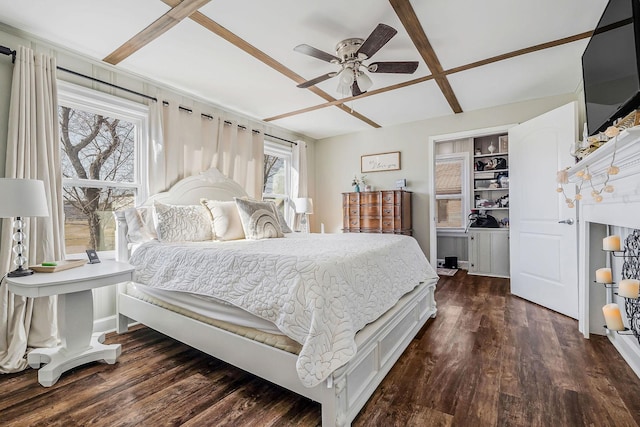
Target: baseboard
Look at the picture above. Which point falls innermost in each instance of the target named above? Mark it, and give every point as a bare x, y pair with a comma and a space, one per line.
105, 324
627, 346
108, 324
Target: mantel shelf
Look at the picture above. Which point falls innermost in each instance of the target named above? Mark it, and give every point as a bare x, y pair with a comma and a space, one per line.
627, 151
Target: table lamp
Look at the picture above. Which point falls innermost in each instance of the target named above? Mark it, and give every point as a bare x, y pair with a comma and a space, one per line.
304, 206
21, 198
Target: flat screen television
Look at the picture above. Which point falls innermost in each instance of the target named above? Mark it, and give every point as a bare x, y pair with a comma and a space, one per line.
610, 69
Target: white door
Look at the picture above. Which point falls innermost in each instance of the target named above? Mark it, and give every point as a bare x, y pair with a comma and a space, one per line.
544, 250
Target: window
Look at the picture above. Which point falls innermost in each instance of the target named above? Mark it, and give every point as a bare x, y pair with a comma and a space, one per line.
451, 186
277, 175
102, 141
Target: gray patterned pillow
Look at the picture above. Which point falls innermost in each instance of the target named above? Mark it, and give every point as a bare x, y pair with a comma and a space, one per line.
175, 223
259, 219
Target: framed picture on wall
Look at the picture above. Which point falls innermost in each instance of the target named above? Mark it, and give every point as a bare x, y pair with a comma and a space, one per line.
503, 144
380, 162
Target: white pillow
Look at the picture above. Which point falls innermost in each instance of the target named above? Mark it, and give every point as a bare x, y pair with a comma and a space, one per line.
259, 219
140, 226
175, 223
225, 220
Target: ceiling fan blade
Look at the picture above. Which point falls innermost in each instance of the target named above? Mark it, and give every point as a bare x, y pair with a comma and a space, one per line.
316, 53
355, 89
317, 80
400, 67
378, 38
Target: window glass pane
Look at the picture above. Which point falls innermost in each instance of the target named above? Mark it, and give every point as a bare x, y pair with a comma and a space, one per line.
96, 147
274, 175
89, 221
449, 213
448, 177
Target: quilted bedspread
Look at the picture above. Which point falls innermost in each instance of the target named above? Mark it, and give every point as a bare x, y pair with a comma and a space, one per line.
318, 289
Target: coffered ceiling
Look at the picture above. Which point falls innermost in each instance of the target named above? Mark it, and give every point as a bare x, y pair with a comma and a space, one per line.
239, 53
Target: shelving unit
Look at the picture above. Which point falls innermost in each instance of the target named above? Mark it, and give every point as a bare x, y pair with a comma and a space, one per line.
489, 247
491, 175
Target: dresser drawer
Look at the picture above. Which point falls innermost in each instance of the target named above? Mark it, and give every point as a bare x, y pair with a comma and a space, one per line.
389, 198
370, 198
390, 211
370, 223
369, 210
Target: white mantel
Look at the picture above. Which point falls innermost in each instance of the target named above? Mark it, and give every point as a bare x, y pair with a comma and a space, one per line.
620, 211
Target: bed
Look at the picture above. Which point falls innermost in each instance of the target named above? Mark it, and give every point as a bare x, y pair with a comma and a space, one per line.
362, 348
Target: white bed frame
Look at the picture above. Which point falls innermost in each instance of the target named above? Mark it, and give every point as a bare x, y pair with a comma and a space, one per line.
345, 392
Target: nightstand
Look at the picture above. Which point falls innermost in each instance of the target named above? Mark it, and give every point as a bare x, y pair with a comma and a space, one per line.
79, 345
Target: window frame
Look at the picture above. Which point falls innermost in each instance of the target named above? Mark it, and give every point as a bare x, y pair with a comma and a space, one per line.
463, 158
93, 101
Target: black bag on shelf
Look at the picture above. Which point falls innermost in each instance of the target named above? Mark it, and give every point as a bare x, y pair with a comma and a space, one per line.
485, 221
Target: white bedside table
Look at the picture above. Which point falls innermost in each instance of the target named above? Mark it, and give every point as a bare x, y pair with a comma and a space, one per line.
75, 315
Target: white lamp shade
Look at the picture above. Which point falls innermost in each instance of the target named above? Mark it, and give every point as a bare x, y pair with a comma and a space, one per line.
22, 197
303, 205
364, 82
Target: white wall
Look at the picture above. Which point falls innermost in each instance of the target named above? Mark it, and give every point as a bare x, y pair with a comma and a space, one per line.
338, 158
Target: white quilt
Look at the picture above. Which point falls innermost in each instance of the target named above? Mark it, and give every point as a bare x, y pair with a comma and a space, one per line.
318, 289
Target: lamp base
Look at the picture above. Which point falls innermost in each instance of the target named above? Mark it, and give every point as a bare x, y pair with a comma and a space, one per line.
19, 272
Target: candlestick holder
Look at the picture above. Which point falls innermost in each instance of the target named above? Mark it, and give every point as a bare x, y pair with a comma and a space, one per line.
631, 249
631, 270
612, 285
619, 332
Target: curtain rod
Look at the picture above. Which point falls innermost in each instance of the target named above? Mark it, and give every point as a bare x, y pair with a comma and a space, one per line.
227, 122
7, 51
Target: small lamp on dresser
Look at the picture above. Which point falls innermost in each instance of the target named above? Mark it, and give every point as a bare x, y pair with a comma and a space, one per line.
21, 198
304, 206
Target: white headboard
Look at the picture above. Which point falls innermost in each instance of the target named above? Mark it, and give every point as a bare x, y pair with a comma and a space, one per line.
211, 184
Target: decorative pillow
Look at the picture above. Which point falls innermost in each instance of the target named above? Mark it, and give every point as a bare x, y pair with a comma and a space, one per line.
189, 223
259, 219
140, 227
225, 220
283, 223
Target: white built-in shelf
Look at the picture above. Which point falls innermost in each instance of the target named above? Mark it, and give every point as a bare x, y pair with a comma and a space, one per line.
490, 171
478, 156
490, 189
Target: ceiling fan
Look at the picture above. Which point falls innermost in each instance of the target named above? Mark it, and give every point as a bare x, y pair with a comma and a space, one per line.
350, 55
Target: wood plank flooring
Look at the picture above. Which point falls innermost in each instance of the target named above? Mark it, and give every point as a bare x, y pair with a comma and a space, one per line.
488, 359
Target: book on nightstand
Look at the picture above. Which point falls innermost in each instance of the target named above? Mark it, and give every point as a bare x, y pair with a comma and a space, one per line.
59, 265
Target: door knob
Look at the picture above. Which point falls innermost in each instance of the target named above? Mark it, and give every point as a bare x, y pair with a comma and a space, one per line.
566, 221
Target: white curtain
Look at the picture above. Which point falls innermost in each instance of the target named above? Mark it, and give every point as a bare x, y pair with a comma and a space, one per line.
185, 144
33, 152
180, 143
298, 178
239, 155
156, 155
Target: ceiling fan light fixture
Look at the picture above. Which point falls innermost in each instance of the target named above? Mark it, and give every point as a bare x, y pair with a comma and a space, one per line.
346, 81
364, 82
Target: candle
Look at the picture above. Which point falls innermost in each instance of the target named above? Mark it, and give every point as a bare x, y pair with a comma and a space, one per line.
603, 275
322, 228
612, 317
611, 243
629, 288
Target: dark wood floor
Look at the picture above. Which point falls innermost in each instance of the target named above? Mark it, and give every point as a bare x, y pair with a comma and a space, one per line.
488, 359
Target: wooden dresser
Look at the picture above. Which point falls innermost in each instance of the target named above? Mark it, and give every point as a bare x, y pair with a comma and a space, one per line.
377, 212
